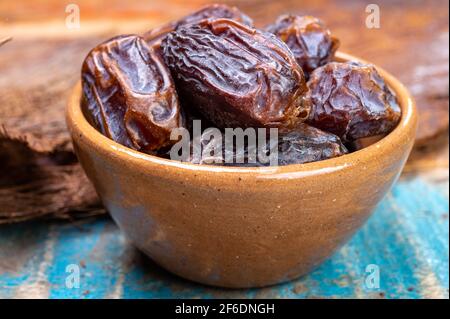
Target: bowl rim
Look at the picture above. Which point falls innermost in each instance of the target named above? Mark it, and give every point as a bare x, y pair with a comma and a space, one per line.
77, 123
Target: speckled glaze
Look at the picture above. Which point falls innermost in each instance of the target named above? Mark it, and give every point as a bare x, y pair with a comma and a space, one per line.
241, 227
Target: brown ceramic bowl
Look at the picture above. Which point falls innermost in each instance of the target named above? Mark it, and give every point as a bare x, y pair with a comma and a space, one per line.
236, 226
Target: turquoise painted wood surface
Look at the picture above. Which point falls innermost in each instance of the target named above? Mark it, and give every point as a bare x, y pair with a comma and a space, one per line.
406, 239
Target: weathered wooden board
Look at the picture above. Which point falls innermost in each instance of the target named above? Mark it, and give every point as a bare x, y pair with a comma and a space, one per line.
407, 238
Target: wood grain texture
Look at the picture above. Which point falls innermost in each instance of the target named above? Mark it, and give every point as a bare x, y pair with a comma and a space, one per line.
39, 174
39, 183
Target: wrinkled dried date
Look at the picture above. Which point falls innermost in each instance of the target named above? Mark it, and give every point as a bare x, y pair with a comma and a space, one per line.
308, 38
352, 101
229, 74
235, 75
129, 95
155, 36
304, 144
308, 144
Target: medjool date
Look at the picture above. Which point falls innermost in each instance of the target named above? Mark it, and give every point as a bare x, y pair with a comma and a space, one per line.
308, 144
129, 95
352, 101
308, 38
236, 76
304, 144
155, 36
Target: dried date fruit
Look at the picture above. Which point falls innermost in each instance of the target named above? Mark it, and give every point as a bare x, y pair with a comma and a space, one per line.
308, 144
304, 144
236, 76
352, 101
308, 38
129, 95
155, 36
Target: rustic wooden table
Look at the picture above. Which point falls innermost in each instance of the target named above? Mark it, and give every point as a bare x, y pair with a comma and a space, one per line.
406, 238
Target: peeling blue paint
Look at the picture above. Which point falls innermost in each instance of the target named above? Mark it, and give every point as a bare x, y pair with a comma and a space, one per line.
407, 238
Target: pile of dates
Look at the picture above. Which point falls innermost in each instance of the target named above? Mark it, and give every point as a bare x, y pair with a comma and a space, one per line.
215, 68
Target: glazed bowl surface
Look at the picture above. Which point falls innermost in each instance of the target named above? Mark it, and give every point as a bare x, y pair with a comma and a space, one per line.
241, 226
